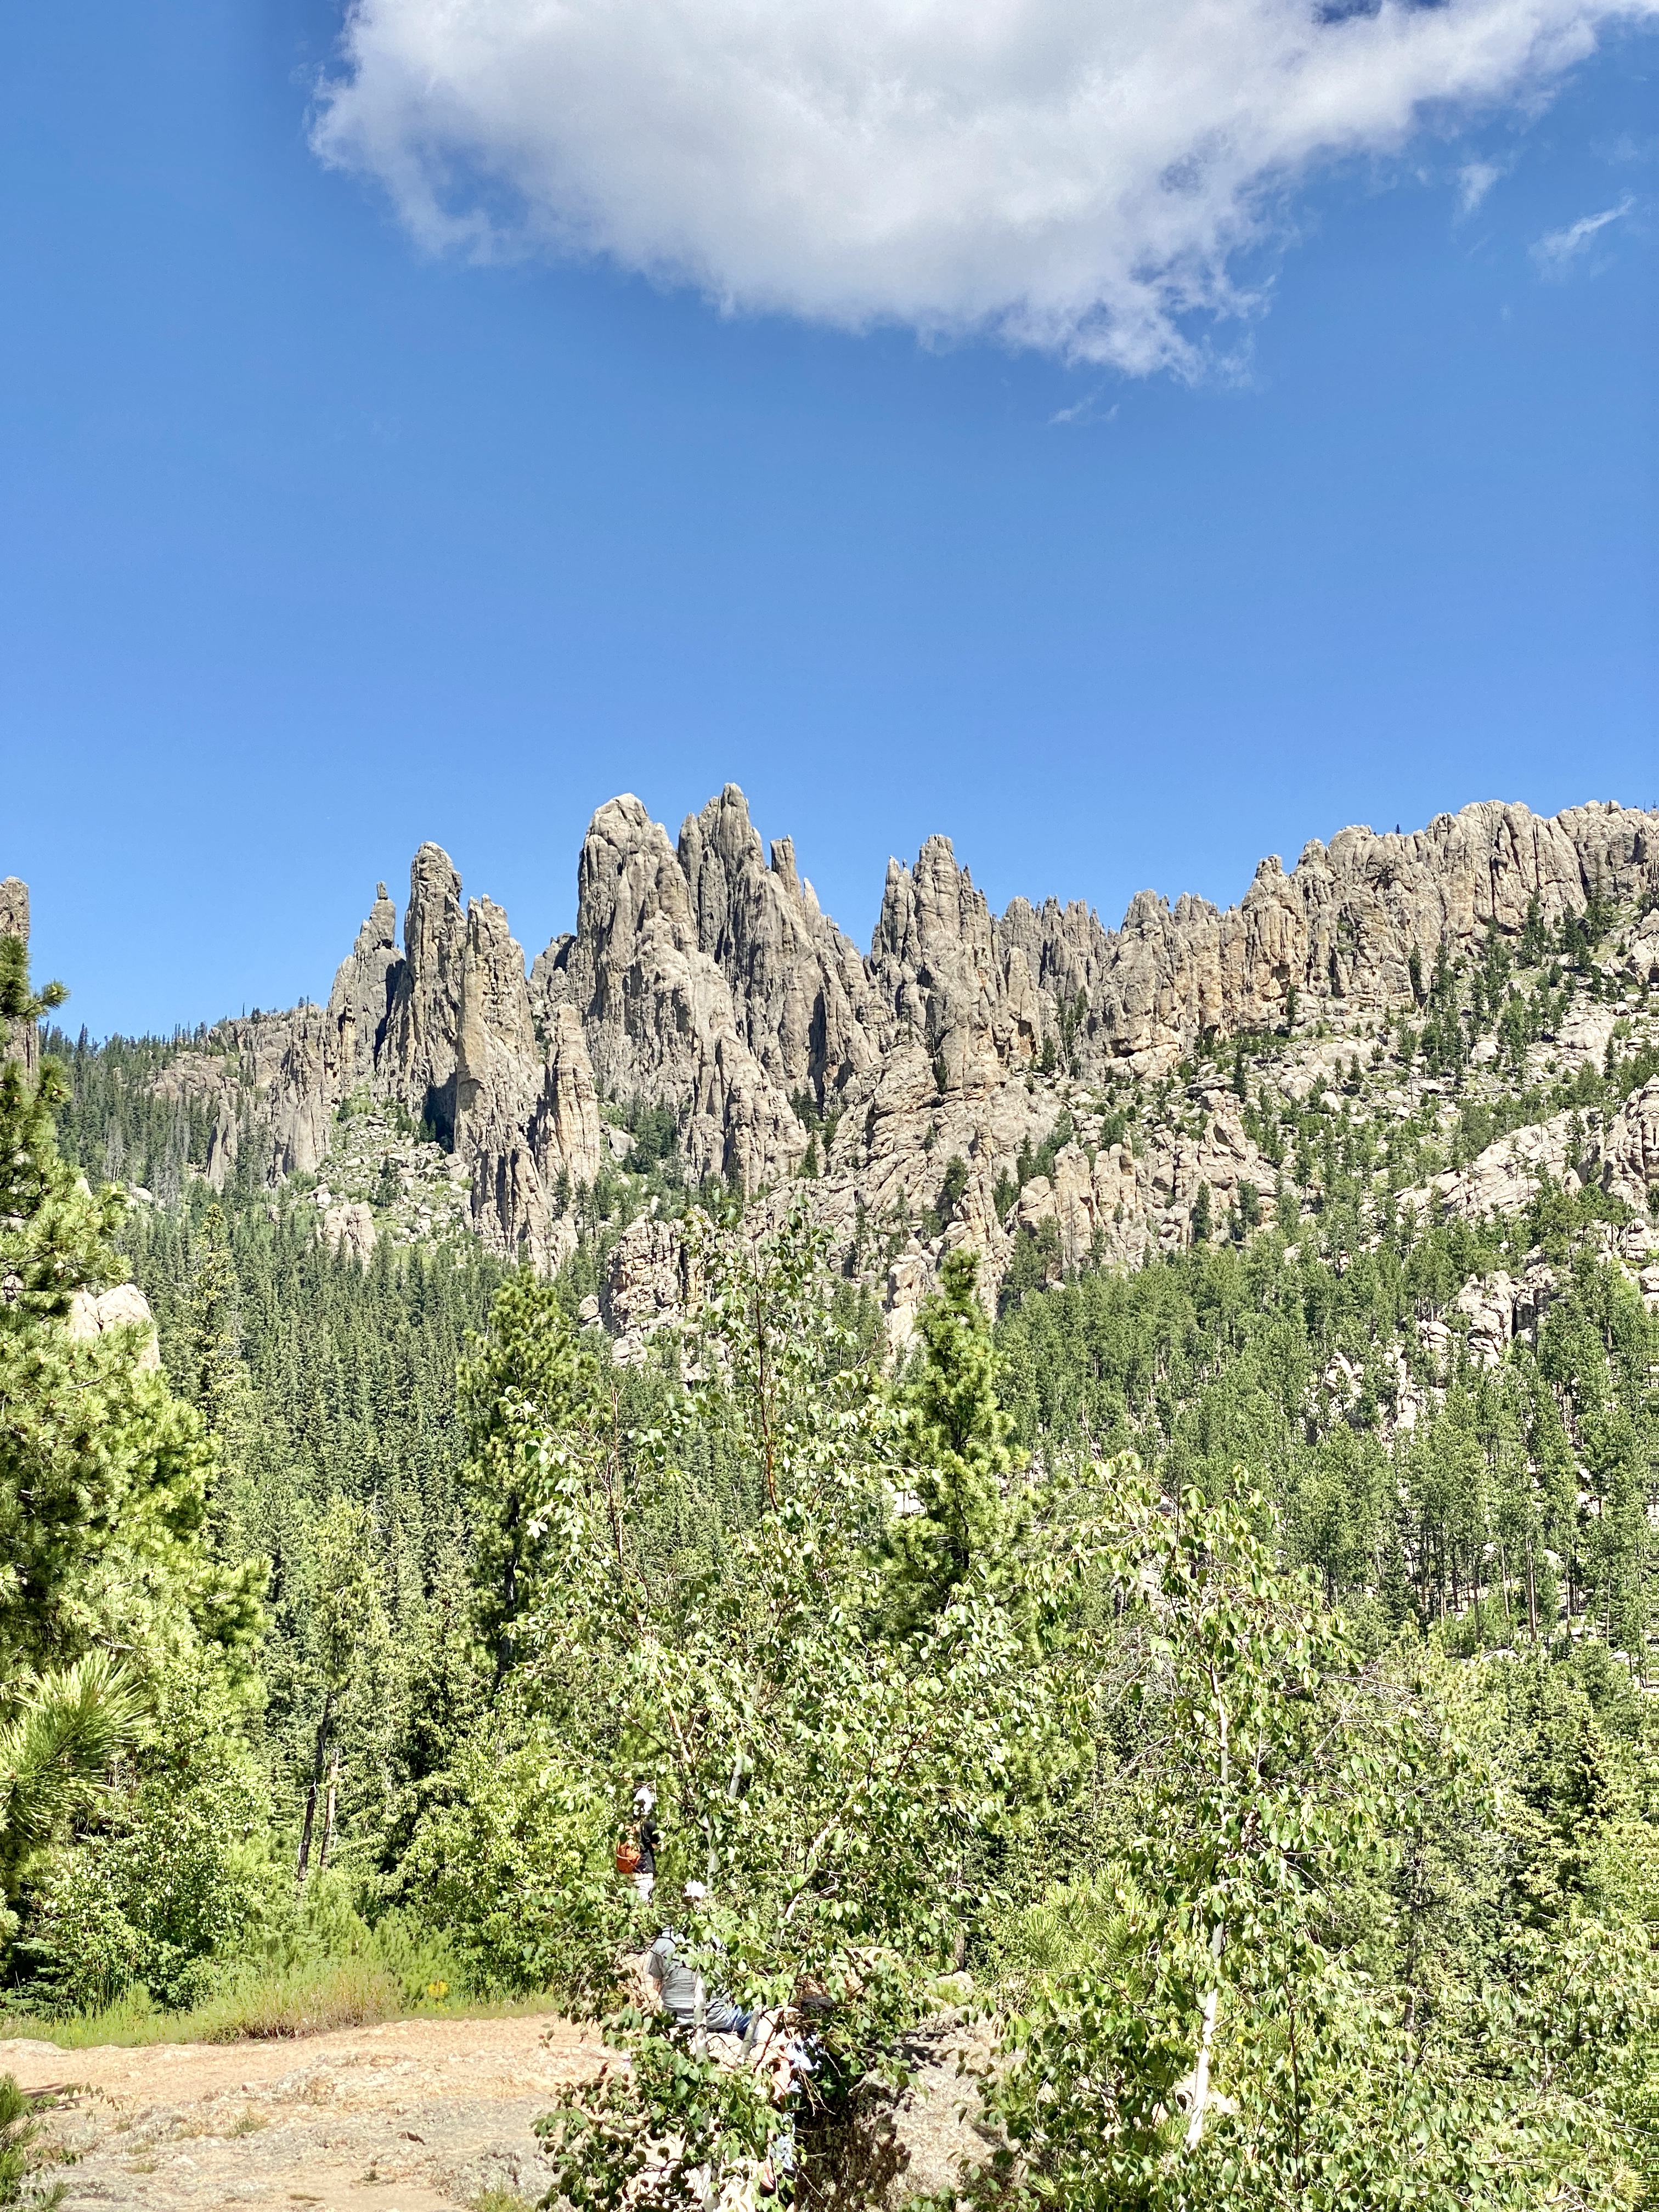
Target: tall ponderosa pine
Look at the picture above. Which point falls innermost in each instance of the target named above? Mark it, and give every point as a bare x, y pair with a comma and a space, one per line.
347, 1619
103, 1474
957, 1448
103, 1479
527, 1379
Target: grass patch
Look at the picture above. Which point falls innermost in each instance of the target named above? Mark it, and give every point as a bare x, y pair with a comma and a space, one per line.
262, 2005
307, 1998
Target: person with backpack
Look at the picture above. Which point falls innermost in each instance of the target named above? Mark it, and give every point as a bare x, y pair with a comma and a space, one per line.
636, 1853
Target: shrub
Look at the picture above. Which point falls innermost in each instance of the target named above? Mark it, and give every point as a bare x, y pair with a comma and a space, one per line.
518, 1874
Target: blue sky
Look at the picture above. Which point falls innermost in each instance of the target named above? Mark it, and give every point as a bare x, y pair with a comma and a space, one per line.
316, 540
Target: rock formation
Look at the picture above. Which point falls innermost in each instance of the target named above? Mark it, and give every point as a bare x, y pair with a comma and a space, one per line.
656, 1008
801, 997
704, 979
94, 1314
1344, 924
1571, 1148
19, 1041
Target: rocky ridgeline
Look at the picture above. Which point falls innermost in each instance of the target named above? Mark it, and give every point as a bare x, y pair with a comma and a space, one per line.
19, 1040
909, 1091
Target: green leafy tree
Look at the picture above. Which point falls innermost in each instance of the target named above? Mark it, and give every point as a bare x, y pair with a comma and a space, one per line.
1233, 2050
103, 1474
23, 2153
169, 1881
828, 1783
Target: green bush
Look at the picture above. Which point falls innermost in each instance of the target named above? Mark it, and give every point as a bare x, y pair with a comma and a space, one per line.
19, 2152
176, 1885
517, 1873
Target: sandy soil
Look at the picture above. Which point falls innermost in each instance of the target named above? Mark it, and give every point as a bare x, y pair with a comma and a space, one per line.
416, 2116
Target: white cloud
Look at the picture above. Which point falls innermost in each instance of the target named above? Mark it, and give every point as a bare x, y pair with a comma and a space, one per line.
1556, 250
1475, 180
1078, 175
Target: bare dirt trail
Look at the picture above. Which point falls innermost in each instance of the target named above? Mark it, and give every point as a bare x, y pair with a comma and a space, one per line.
414, 2116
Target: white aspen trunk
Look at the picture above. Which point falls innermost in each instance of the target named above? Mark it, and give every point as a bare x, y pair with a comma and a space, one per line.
1206, 2044
1212, 2001
329, 1807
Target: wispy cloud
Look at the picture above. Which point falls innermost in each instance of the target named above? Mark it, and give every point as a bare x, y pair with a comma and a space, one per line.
1059, 173
1556, 250
1083, 410
1475, 180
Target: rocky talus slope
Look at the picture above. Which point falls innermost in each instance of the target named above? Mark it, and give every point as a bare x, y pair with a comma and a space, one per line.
1033, 1077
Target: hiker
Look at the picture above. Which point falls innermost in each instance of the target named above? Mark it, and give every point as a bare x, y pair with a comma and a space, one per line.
680, 1987
644, 1876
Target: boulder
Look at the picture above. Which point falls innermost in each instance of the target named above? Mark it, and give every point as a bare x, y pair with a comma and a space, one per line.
94, 1313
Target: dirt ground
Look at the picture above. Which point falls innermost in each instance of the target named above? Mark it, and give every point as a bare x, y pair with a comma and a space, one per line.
416, 2116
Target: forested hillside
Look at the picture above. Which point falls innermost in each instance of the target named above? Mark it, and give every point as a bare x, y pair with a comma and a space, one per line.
1233, 1655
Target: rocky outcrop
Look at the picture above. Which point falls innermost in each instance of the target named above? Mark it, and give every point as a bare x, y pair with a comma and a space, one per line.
1630, 1150
1498, 1307
1639, 952
1344, 924
416, 1064
801, 996
19, 1041
360, 1005
704, 978
1571, 1148
942, 981
656, 1009
350, 1228
566, 1132
644, 1285
496, 1086
94, 1314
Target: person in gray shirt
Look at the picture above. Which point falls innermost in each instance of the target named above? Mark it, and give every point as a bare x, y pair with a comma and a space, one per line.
678, 1985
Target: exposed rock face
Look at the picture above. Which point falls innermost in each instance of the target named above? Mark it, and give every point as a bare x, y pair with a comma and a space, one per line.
705, 979
418, 1058
351, 1227
1641, 953
1505, 1178
496, 1086
1630, 1152
565, 1135
360, 1005
94, 1314
1568, 1149
1344, 924
656, 1009
19, 1041
273, 1081
800, 995
1498, 1309
942, 978
646, 1284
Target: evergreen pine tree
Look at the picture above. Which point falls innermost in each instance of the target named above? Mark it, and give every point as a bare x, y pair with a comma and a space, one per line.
956, 1455
528, 1380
